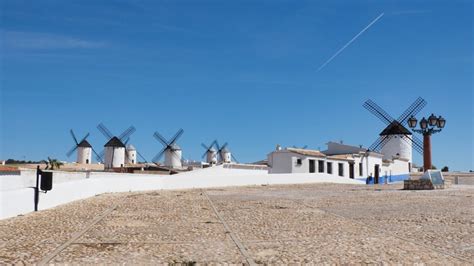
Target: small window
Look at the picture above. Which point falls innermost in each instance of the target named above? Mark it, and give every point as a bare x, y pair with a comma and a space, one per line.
329, 168
360, 170
341, 169
321, 166
299, 162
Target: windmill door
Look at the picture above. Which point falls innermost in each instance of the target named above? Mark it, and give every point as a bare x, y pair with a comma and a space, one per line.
376, 174
312, 166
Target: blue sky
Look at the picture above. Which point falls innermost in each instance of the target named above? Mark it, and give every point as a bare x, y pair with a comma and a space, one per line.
239, 71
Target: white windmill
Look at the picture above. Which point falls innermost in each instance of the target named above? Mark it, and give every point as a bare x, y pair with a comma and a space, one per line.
131, 154
210, 154
171, 150
224, 154
115, 148
396, 140
84, 149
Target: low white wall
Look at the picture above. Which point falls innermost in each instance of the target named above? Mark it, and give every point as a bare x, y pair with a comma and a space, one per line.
68, 187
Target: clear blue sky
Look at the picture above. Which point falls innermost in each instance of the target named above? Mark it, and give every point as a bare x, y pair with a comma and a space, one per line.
240, 71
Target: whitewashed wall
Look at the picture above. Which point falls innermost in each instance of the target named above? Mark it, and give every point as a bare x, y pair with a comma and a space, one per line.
114, 157
16, 198
84, 155
397, 167
397, 144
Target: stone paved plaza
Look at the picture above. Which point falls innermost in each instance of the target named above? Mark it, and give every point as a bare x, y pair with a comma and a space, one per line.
319, 223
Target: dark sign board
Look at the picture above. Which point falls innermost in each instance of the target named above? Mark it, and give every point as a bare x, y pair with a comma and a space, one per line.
46, 181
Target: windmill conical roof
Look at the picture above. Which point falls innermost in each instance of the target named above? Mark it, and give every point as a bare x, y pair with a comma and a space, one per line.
114, 142
84, 144
130, 147
225, 150
395, 128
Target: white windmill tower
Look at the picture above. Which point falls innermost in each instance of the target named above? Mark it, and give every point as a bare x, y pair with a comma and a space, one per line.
224, 154
210, 154
171, 150
84, 149
398, 142
131, 154
115, 148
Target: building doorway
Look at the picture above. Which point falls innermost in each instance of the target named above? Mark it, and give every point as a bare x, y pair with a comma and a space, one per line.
351, 170
87, 161
376, 174
312, 166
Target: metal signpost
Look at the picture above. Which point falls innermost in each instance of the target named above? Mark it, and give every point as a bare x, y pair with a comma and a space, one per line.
45, 185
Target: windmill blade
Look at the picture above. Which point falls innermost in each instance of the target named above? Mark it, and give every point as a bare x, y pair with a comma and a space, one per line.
71, 151
233, 157
376, 110
224, 146
127, 133
161, 139
107, 134
141, 156
205, 147
379, 143
218, 155
413, 110
177, 136
159, 155
85, 137
97, 155
73, 137
101, 155
417, 144
126, 142
205, 153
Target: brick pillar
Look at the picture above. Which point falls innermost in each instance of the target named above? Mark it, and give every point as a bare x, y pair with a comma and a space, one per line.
426, 152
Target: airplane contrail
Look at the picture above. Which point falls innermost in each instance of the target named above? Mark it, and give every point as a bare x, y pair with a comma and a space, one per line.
349, 43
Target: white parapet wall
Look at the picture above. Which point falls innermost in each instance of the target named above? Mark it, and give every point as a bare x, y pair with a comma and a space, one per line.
16, 194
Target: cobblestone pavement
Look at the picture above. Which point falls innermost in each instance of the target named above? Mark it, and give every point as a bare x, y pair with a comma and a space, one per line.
320, 223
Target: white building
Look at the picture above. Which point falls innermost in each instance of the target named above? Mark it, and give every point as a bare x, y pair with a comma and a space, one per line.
114, 153
226, 155
173, 156
131, 157
397, 142
211, 156
339, 160
84, 152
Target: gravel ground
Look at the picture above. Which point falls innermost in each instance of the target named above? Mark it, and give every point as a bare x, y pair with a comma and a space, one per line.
320, 223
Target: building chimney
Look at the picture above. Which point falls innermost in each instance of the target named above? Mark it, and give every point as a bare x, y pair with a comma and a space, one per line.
278, 147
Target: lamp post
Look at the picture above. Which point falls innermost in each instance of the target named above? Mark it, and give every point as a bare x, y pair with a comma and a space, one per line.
428, 127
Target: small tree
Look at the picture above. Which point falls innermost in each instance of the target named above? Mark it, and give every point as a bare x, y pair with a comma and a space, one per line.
53, 164
445, 169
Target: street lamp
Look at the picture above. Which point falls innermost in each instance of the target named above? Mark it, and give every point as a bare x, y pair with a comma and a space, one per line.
428, 127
